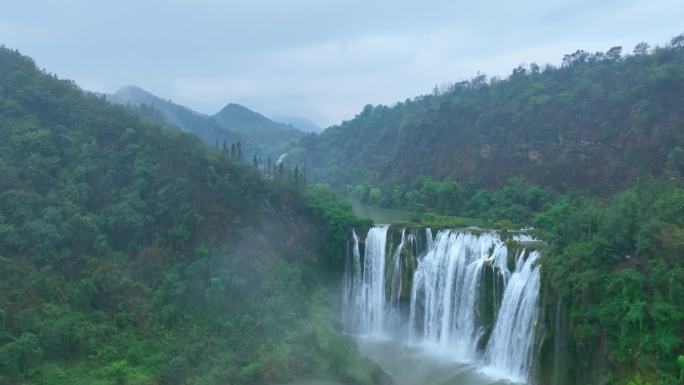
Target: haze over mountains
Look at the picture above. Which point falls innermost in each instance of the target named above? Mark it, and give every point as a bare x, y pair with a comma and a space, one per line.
599, 122
258, 134
298, 122
135, 254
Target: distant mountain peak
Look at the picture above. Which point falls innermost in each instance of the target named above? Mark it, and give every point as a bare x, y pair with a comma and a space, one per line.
241, 118
233, 123
131, 90
302, 124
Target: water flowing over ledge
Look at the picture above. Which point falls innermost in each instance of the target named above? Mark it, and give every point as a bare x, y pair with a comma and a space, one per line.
463, 294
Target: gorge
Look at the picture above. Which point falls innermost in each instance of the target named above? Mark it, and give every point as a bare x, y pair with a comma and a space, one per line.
133, 253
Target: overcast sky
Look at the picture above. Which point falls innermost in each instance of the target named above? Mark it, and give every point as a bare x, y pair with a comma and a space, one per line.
320, 59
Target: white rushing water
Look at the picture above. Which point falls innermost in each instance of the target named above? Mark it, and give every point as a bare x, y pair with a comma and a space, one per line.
463, 302
365, 295
446, 292
509, 351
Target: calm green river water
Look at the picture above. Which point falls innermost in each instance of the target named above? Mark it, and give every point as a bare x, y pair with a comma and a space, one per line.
378, 214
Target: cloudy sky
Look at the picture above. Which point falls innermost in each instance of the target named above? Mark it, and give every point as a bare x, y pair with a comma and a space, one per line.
320, 59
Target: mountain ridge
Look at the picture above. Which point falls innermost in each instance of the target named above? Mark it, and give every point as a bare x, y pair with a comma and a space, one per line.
134, 254
233, 123
597, 122
303, 124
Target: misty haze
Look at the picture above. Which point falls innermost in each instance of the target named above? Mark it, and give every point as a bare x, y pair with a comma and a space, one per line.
342, 192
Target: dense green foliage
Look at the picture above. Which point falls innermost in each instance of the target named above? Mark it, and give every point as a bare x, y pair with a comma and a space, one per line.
271, 137
597, 122
515, 201
617, 267
589, 153
134, 254
260, 135
158, 110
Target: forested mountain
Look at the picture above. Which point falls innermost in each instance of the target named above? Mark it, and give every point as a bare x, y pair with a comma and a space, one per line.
258, 128
134, 254
591, 154
159, 110
297, 122
258, 134
597, 122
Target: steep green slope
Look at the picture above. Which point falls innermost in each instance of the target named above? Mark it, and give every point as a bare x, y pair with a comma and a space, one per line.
258, 128
143, 103
590, 154
302, 124
613, 295
133, 254
598, 122
258, 134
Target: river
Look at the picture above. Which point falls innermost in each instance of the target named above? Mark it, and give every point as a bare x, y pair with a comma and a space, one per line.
411, 365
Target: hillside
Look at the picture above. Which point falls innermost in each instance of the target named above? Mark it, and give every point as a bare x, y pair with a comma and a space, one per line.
146, 104
591, 155
302, 124
258, 134
134, 254
595, 123
258, 128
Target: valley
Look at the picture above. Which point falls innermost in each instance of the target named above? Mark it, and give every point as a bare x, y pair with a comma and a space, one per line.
518, 230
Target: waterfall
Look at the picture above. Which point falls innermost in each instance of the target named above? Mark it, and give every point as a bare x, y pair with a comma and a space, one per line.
351, 292
446, 291
395, 275
365, 285
463, 299
510, 348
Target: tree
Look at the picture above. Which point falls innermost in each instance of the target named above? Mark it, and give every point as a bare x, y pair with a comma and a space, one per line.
367, 109
641, 48
519, 71
675, 160
677, 41
577, 57
614, 53
534, 67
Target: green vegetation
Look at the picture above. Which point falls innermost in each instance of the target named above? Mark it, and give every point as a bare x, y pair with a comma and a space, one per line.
134, 254
260, 135
131, 253
267, 136
589, 153
158, 110
516, 200
617, 267
597, 123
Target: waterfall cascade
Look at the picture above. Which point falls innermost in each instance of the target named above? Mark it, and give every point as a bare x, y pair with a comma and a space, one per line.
364, 298
453, 294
